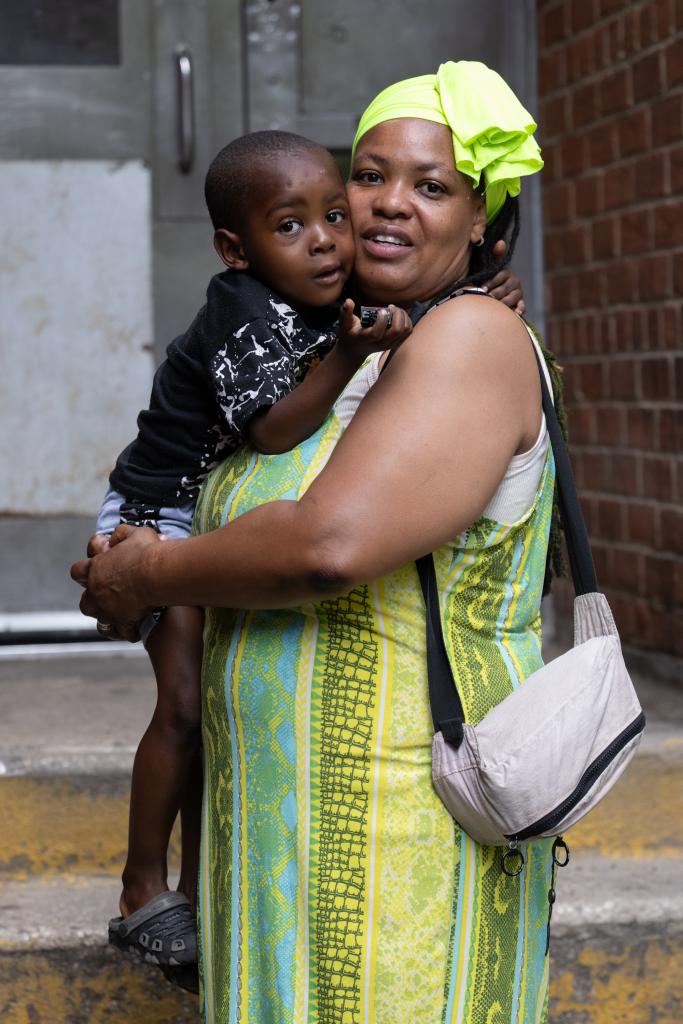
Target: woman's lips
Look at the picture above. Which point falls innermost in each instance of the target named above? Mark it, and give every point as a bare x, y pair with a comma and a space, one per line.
386, 245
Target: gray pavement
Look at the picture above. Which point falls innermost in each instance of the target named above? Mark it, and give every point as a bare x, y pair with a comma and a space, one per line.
75, 714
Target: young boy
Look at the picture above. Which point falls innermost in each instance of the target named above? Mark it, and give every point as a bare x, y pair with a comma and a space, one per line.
278, 205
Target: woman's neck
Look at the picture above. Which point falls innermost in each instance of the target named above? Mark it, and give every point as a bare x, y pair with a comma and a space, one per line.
369, 297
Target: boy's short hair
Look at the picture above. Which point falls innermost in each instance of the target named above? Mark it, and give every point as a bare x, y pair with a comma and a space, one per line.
232, 183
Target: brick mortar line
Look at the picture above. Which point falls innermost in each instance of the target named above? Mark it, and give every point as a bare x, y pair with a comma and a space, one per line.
602, 448
637, 206
621, 307
605, 120
624, 307
620, 356
607, 407
662, 148
601, 22
555, 230
554, 319
560, 276
618, 307
573, 318
560, 230
625, 499
652, 504
623, 64
633, 548
595, 78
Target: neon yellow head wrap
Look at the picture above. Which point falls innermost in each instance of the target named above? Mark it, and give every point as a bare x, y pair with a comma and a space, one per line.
492, 132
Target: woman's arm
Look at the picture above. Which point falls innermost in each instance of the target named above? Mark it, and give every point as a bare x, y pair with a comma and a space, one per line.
419, 462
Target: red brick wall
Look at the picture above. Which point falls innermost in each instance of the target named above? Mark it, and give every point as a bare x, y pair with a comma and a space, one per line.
611, 120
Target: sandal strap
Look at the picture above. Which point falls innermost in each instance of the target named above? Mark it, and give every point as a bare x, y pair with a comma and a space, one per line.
156, 907
163, 932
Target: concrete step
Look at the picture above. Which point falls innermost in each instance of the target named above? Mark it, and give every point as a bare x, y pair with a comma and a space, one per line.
78, 822
642, 816
69, 729
73, 824
617, 951
55, 966
73, 714
617, 942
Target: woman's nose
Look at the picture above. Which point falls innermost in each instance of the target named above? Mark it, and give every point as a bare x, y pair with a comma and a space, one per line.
391, 201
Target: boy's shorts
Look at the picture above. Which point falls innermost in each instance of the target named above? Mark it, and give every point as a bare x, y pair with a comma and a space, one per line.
175, 523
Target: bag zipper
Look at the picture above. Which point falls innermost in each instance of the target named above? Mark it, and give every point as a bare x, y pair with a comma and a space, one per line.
589, 777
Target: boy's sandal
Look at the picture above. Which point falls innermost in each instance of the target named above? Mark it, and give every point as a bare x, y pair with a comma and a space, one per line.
163, 932
186, 977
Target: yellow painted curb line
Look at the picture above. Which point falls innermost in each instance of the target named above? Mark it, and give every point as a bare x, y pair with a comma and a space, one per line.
642, 817
639, 984
57, 825
39, 988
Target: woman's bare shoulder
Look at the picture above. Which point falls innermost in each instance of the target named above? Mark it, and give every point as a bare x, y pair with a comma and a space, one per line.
473, 326
476, 309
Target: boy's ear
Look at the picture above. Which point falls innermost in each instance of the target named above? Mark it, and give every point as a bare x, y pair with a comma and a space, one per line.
229, 247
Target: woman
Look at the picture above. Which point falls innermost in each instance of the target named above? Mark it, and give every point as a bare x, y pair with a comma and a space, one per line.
335, 886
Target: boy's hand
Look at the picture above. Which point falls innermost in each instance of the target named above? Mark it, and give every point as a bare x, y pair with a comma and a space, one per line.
360, 341
97, 545
506, 286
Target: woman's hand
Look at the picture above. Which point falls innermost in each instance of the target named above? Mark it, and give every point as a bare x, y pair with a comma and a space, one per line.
110, 579
506, 286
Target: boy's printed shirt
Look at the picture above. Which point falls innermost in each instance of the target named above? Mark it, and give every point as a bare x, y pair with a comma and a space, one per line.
245, 350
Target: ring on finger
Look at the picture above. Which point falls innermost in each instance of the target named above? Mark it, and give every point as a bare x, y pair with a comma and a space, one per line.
390, 317
104, 628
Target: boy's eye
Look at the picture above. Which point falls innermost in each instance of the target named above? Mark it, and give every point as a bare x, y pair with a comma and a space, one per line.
289, 226
336, 216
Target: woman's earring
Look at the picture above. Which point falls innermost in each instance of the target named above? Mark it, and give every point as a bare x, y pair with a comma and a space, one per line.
480, 242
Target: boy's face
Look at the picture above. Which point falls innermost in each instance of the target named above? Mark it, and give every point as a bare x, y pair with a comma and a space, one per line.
297, 237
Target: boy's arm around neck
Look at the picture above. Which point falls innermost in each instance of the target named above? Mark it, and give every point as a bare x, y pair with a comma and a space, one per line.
287, 423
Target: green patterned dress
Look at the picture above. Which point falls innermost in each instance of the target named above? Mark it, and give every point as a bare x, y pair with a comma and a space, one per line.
335, 888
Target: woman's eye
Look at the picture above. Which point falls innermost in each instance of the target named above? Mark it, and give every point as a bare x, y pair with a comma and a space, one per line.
432, 188
336, 216
369, 177
289, 227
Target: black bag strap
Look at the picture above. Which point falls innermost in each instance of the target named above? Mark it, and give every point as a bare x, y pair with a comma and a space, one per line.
445, 701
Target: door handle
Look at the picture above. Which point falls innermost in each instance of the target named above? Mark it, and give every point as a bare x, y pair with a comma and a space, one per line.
184, 108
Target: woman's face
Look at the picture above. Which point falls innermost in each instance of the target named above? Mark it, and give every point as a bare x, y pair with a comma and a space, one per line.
414, 215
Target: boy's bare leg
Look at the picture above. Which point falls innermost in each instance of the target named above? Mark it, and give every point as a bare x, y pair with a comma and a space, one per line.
190, 825
165, 763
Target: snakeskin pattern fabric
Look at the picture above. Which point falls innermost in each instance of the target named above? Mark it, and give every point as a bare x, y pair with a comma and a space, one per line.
335, 888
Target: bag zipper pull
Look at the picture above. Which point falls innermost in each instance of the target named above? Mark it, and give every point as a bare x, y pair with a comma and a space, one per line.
560, 860
513, 860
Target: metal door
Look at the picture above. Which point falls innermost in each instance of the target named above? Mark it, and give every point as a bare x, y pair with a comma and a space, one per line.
111, 112
313, 67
